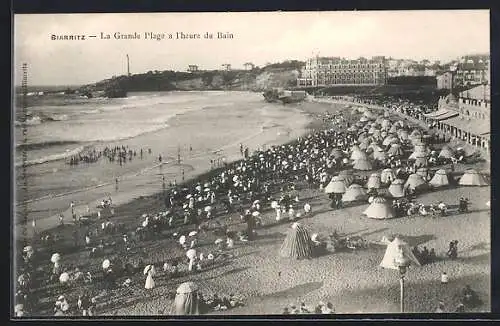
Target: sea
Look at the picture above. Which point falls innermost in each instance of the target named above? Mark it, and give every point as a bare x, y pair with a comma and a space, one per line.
192, 131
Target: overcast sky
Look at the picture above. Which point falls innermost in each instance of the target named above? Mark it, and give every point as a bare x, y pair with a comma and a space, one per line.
258, 38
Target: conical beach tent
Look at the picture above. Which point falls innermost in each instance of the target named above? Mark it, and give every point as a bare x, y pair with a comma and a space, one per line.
396, 189
421, 161
348, 177
337, 153
387, 176
415, 182
395, 150
423, 172
373, 181
336, 186
379, 209
440, 179
363, 165
354, 193
446, 152
186, 299
379, 156
297, 243
395, 250
472, 178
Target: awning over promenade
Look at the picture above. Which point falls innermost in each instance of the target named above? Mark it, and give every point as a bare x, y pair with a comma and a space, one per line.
475, 127
441, 114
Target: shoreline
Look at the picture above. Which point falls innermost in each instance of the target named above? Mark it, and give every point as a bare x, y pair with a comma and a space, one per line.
200, 169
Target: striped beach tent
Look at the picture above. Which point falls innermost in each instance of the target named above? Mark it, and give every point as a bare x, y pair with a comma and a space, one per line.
362, 165
358, 155
472, 178
297, 243
415, 182
380, 209
396, 150
336, 186
396, 189
446, 152
186, 300
440, 179
387, 176
354, 193
373, 181
348, 176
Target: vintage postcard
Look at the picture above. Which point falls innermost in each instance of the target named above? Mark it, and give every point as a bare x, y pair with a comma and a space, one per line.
259, 163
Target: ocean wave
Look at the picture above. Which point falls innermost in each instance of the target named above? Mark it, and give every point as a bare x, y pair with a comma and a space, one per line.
46, 144
36, 119
53, 157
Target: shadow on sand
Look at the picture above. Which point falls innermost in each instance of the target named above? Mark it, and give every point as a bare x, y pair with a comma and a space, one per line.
296, 291
419, 296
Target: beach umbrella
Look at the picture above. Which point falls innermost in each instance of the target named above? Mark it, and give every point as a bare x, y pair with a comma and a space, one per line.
208, 209
336, 186
255, 214
354, 193
64, 278
192, 233
198, 188
186, 300
297, 243
440, 179
397, 250
55, 258
106, 263
373, 181
414, 182
147, 269
387, 176
206, 189
472, 178
379, 209
396, 188
363, 165
191, 254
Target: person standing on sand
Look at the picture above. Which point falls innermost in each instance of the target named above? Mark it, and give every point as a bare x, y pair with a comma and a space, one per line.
61, 219
150, 283
116, 184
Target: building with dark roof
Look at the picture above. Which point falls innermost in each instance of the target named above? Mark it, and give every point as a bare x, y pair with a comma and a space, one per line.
328, 71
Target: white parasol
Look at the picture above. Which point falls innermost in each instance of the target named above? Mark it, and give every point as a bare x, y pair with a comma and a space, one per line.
105, 264
219, 240
210, 256
191, 253
64, 278
147, 269
235, 178
255, 214
208, 208
198, 188
55, 258
193, 233
189, 196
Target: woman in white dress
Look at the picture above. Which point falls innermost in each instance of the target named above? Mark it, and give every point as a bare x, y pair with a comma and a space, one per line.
150, 283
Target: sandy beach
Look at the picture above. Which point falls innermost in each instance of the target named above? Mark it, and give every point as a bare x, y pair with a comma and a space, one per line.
351, 280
